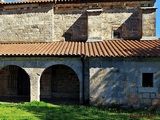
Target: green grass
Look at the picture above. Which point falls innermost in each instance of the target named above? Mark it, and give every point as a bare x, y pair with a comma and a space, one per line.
46, 111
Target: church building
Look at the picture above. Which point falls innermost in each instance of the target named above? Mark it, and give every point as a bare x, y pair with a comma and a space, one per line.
98, 52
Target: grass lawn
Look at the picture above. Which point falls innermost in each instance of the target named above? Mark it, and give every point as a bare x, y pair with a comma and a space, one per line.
46, 111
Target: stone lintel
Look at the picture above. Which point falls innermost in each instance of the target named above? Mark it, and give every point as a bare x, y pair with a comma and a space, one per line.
148, 8
149, 38
94, 39
95, 10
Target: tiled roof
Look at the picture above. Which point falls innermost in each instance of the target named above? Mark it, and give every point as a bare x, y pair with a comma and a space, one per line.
26, 2
65, 1
107, 48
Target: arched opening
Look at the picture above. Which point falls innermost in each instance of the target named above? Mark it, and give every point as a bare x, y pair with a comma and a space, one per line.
59, 84
14, 84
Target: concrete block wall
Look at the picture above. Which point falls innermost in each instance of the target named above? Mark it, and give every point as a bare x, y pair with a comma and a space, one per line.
120, 82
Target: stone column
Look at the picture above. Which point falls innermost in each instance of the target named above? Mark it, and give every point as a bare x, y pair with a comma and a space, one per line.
35, 74
148, 23
94, 24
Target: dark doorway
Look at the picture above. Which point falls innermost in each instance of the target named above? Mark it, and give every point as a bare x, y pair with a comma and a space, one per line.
23, 83
15, 84
60, 84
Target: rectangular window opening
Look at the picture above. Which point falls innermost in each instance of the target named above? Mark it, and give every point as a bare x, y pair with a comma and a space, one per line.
68, 36
147, 79
116, 34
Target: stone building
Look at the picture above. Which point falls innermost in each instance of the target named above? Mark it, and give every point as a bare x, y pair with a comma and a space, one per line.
89, 52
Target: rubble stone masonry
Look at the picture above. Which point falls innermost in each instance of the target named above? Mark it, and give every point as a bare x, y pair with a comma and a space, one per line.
80, 25
47, 22
26, 23
120, 82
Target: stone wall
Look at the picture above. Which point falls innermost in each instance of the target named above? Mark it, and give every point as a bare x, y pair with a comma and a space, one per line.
148, 23
3, 81
101, 21
79, 25
14, 81
35, 67
109, 81
65, 83
45, 83
126, 21
70, 24
120, 82
59, 82
75, 22
9, 81
27, 22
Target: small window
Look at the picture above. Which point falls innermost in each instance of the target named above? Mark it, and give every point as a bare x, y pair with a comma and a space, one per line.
68, 36
116, 34
147, 79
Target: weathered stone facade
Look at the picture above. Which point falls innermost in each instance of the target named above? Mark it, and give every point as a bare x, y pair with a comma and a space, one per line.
102, 81
14, 82
125, 21
70, 24
94, 80
80, 25
148, 23
77, 22
36, 68
26, 23
59, 82
117, 81
45, 83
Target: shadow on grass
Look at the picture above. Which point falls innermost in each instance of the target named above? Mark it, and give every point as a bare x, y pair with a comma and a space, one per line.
46, 111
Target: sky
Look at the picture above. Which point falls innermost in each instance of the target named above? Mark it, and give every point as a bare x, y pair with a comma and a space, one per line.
157, 4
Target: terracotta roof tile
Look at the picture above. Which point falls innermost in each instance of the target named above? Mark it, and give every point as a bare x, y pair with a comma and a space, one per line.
63, 1
107, 48
27, 2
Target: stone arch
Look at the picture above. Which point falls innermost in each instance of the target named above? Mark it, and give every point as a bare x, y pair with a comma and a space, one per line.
60, 83
15, 84
70, 64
